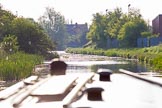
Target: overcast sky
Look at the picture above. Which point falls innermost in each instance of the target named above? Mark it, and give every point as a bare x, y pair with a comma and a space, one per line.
81, 11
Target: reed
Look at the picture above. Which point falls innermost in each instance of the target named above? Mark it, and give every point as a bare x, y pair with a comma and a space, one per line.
18, 66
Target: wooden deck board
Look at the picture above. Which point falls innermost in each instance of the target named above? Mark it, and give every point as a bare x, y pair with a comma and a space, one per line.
55, 85
43, 105
81, 83
20, 96
16, 87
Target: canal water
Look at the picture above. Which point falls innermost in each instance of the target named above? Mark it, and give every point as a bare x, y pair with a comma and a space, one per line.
91, 63
79, 63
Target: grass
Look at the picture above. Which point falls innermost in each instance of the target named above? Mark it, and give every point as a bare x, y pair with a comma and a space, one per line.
18, 66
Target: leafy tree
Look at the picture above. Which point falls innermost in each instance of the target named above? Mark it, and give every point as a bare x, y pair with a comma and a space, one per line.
132, 29
134, 14
6, 18
130, 32
116, 25
31, 37
10, 44
53, 22
96, 33
113, 22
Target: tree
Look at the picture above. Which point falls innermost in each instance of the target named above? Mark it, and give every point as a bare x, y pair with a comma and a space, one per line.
10, 44
53, 22
116, 25
31, 37
6, 18
96, 32
132, 28
131, 31
113, 21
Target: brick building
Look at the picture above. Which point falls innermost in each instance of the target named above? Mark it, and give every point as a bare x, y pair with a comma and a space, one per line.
157, 25
77, 33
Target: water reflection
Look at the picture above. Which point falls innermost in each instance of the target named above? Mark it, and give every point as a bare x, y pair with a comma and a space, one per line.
91, 63
131, 66
115, 65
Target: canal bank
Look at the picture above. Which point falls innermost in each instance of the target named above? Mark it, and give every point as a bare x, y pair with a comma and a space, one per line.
93, 62
151, 56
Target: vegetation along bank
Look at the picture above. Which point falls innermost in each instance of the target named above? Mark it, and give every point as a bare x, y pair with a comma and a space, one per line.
151, 56
23, 44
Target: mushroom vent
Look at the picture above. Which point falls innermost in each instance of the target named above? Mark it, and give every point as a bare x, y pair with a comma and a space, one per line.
94, 93
104, 74
58, 67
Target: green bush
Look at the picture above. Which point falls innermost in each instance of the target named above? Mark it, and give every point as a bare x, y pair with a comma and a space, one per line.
157, 62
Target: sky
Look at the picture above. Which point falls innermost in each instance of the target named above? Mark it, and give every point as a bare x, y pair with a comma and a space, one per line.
81, 11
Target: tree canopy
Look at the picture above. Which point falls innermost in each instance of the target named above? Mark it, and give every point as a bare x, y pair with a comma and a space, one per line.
124, 27
6, 18
54, 24
97, 33
30, 36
